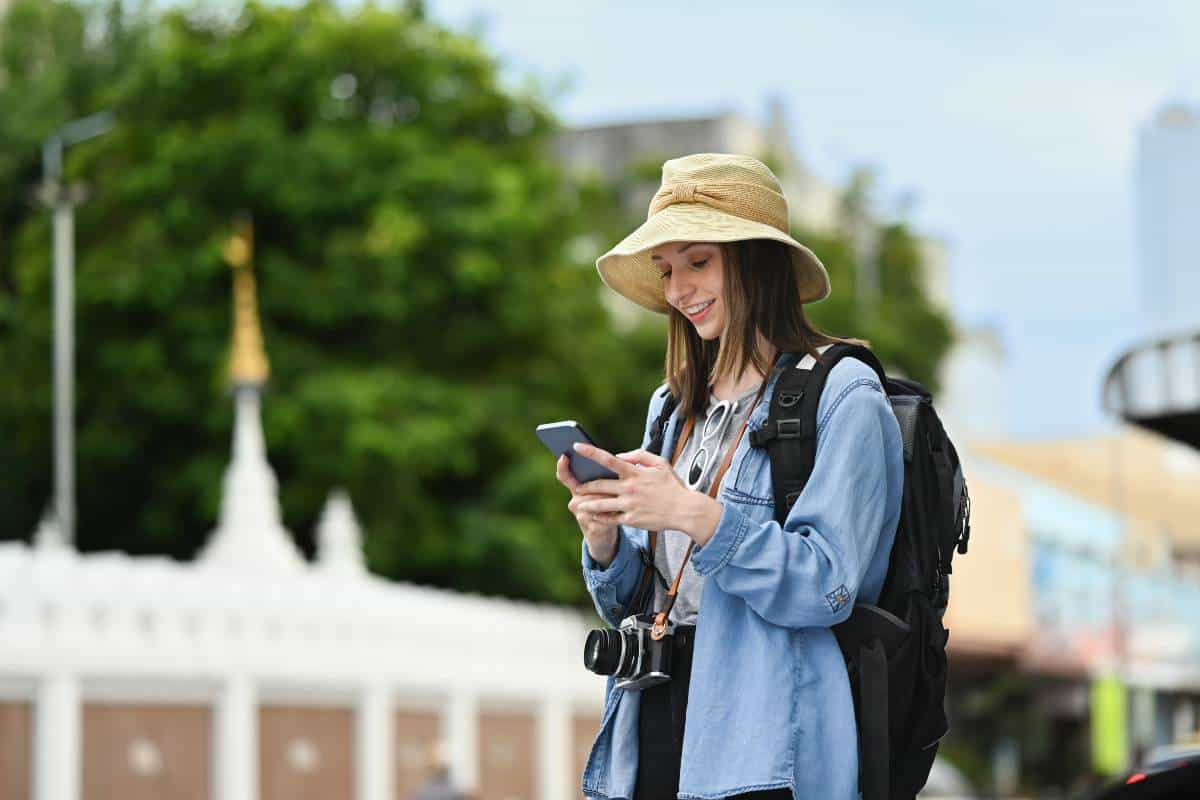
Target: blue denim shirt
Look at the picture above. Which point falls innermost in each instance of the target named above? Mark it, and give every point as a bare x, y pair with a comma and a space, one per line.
769, 701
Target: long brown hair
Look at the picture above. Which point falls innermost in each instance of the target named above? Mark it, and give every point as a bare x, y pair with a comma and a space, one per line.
759, 294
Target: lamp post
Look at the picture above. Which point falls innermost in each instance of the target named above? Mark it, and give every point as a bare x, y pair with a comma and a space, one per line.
62, 199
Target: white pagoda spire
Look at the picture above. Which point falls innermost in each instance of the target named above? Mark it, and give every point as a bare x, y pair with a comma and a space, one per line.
49, 536
339, 537
250, 532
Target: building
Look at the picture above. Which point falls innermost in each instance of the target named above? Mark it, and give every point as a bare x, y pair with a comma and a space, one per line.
1114, 570
630, 155
1166, 200
252, 673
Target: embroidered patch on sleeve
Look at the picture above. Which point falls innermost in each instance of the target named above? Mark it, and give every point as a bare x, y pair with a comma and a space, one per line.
838, 598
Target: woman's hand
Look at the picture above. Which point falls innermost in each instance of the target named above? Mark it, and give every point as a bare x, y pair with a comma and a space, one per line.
647, 494
600, 530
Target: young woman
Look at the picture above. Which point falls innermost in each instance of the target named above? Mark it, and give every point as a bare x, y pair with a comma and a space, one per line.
758, 704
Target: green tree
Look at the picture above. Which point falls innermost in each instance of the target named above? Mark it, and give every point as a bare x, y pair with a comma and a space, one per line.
56, 58
904, 328
424, 274
421, 306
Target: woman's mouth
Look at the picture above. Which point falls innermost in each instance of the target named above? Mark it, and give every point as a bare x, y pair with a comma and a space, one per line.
698, 311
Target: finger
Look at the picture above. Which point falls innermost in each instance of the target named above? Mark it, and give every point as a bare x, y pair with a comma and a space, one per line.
563, 473
601, 486
643, 457
601, 504
605, 459
575, 505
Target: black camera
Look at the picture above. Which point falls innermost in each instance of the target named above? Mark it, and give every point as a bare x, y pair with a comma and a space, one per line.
629, 653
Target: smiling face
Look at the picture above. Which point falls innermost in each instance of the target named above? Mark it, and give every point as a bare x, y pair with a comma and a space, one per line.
693, 275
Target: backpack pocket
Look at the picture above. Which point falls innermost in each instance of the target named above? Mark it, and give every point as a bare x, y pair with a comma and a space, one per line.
897, 669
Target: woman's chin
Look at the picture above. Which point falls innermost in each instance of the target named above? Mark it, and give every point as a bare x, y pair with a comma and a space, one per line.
707, 330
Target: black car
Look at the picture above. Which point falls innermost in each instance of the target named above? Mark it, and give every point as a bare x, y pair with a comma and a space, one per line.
1169, 775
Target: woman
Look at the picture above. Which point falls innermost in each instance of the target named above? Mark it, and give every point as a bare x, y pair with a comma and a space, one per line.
760, 677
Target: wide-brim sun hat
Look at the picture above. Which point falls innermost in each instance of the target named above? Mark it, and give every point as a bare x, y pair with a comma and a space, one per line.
708, 197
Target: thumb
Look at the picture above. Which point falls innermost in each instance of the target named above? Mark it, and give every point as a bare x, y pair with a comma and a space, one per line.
643, 457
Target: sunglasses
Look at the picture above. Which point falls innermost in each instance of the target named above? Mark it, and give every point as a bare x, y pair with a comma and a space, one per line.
710, 437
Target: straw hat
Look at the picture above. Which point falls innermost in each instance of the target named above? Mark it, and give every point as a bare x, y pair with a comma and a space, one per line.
708, 197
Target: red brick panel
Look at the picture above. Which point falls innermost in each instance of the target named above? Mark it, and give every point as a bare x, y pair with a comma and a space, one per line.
583, 733
507, 765
16, 750
305, 753
417, 749
146, 752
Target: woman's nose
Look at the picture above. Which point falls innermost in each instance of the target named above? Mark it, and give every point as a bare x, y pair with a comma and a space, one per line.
679, 289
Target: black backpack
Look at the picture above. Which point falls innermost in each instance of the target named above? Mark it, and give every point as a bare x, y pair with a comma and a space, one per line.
895, 651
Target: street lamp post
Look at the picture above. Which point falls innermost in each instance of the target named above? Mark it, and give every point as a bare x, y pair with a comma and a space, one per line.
62, 199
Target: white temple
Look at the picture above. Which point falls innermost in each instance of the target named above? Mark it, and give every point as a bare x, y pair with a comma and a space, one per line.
251, 673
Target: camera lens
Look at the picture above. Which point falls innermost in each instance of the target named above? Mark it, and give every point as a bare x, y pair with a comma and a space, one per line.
602, 651
609, 652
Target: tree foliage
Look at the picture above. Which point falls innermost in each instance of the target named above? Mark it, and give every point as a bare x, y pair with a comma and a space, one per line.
419, 306
424, 273
908, 333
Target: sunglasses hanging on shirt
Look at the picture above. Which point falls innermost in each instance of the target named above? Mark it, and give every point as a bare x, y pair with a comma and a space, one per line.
710, 441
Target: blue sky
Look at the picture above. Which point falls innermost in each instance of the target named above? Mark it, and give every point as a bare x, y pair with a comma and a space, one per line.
1013, 123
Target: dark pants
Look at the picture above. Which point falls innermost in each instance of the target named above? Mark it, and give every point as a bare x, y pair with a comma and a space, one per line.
660, 730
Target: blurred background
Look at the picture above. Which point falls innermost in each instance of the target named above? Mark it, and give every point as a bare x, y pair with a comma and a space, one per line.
286, 287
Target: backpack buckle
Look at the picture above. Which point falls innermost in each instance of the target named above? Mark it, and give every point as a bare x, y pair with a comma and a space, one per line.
789, 399
941, 590
789, 429
779, 429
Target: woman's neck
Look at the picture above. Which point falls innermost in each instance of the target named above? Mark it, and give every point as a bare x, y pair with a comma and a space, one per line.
730, 388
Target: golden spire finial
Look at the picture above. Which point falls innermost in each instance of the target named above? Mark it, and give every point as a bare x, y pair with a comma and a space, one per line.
247, 359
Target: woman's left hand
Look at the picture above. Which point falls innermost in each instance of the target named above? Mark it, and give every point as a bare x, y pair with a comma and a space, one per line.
646, 494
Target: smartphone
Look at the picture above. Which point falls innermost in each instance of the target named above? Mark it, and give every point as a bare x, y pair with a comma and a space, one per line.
560, 438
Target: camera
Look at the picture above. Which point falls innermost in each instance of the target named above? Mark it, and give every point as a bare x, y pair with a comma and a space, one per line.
629, 654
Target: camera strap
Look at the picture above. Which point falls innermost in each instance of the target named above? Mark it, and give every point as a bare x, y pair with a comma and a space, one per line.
650, 569
659, 630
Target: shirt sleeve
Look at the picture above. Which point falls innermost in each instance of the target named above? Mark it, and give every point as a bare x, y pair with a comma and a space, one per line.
612, 587
808, 571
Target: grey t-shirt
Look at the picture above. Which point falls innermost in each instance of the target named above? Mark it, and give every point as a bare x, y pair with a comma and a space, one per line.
673, 544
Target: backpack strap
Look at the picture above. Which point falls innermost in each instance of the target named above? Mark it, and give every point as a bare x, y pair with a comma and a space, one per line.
790, 436
790, 432
868, 639
659, 428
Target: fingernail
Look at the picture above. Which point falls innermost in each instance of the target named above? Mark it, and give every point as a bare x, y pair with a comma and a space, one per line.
577, 445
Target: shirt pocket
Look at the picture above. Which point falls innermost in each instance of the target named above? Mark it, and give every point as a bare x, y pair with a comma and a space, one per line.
752, 481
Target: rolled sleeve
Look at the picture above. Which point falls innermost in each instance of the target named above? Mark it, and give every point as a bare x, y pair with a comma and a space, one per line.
808, 571
612, 587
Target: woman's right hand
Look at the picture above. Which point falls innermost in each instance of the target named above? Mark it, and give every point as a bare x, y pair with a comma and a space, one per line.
600, 530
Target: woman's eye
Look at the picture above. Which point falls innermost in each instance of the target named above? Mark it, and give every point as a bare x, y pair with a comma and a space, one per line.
699, 264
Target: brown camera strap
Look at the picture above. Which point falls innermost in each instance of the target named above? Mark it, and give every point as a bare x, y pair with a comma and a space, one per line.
648, 572
659, 630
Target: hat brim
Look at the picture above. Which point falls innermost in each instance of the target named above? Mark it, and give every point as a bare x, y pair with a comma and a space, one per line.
628, 269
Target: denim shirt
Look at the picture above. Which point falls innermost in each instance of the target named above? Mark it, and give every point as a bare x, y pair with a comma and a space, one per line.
769, 701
